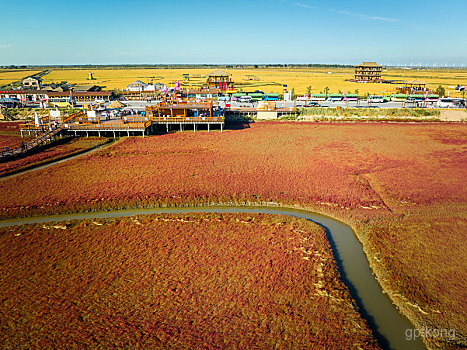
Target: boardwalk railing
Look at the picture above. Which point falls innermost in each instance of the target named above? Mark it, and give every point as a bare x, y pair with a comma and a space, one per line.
73, 117
24, 147
109, 126
180, 105
44, 133
134, 119
188, 119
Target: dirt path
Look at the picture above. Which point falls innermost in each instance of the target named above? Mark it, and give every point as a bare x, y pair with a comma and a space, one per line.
452, 115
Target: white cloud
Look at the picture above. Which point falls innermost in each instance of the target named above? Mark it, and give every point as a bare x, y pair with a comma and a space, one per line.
5, 46
301, 4
363, 16
346, 13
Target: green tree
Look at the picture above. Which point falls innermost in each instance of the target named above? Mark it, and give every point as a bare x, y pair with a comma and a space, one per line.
326, 90
440, 91
117, 93
308, 90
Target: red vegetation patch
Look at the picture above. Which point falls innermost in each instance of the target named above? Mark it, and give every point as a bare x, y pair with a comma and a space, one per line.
298, 163
10, 126
9, 140
370, 175
175, 281
423, 258
10, 134
49, 154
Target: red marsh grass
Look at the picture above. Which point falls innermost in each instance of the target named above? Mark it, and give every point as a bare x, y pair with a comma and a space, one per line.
175, 281
10, 134
402, 187
49, 153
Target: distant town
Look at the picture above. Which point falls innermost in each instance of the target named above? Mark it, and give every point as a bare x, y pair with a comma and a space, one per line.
33, 93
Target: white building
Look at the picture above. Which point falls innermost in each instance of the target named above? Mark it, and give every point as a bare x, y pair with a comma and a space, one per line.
136, 86
139, 86
32, 83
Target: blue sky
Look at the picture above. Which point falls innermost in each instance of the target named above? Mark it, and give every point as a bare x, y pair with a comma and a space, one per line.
241, 31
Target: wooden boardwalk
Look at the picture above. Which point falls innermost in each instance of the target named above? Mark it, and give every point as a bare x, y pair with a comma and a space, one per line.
178, 114
42, 136
186, 112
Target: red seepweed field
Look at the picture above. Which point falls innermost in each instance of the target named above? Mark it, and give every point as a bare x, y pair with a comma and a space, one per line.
51, 153
10, 136
400, 186
195, 281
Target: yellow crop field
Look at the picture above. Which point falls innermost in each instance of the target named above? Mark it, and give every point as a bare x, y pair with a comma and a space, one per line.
268, 80
8, 76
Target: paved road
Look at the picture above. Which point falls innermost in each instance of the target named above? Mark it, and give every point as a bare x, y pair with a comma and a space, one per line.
360, 104
141, 105
343, 104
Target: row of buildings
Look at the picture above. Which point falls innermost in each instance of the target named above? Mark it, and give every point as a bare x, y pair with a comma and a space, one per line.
216, 80
217, 83
45, 98
34, 94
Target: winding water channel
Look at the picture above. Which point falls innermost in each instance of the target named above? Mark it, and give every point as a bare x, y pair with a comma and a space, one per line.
388, 325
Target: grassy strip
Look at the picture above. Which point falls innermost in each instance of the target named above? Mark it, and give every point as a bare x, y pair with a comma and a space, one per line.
293, 117
369, 112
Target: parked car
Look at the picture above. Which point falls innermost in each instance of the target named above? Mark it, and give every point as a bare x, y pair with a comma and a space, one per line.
334, 97
313, 104
244, 99
451, 103
376, 99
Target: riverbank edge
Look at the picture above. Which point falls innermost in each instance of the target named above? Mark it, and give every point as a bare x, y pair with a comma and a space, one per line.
376, 270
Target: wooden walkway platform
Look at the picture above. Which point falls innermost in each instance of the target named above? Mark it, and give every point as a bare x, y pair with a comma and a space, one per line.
183, 112
73, 125
42, 136
184, 121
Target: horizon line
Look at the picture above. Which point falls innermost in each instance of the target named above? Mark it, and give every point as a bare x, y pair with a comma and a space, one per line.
411, 65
